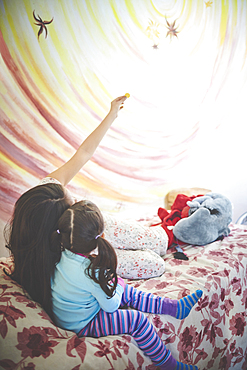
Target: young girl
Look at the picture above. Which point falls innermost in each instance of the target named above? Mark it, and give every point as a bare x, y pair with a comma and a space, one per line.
87, 295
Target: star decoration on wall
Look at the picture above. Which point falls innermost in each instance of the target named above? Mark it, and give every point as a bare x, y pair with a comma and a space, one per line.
172, 31
153, 33
42, 24
208, 4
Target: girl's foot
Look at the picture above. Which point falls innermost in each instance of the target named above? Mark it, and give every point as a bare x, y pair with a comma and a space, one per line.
182, 307
185, 304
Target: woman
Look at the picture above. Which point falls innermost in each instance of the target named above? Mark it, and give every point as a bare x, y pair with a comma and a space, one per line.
36, 214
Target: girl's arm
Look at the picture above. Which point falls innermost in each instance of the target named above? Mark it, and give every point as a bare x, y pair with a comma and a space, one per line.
68, 170
108, 304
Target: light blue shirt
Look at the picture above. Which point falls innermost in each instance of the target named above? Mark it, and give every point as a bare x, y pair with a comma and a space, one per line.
77, 298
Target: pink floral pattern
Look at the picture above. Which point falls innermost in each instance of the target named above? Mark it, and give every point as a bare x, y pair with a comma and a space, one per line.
130, 234
138, 247
213, 336
139, 264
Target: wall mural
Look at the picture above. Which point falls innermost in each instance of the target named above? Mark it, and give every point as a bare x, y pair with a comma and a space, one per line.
62, 62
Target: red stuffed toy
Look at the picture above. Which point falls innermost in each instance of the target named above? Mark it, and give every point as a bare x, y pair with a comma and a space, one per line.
179, 210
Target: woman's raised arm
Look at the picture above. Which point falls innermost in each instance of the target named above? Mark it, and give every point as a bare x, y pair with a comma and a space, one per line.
68, 170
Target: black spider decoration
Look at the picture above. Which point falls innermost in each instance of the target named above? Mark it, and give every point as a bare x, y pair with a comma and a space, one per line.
42, 24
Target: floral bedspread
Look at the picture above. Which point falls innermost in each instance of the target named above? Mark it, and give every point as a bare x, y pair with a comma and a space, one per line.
213, 336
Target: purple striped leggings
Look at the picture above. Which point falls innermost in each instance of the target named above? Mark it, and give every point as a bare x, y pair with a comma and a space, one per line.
133, 322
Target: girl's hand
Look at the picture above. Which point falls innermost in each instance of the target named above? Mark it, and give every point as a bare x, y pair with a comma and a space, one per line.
117, 104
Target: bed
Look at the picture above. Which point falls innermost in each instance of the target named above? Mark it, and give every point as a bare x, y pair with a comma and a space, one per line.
213, 336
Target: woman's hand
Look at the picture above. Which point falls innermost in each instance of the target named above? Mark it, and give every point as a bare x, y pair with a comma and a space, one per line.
117, 104
67, 171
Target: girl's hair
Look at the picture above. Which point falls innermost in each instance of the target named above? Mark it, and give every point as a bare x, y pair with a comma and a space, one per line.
79, 230
28, 237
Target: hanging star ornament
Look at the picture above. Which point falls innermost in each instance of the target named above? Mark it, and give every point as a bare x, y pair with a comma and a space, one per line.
42, 24
172, 31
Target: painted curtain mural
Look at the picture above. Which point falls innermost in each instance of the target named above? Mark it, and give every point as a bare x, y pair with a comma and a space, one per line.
63, 61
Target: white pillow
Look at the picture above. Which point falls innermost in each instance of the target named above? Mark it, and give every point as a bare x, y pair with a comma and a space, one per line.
139, 264
131, 234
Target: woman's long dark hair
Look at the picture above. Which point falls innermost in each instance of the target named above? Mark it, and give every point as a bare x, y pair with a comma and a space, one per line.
80, 230
28, 236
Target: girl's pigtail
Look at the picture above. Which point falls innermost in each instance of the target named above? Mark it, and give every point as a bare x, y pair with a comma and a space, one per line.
102, 268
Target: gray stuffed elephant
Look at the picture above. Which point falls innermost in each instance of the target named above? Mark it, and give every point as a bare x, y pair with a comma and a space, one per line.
208, 220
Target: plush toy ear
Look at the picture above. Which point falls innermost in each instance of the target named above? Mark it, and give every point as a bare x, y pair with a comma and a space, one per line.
201, 199
193, 204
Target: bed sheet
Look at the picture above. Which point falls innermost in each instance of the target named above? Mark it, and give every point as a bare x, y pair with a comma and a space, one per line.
213, 336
